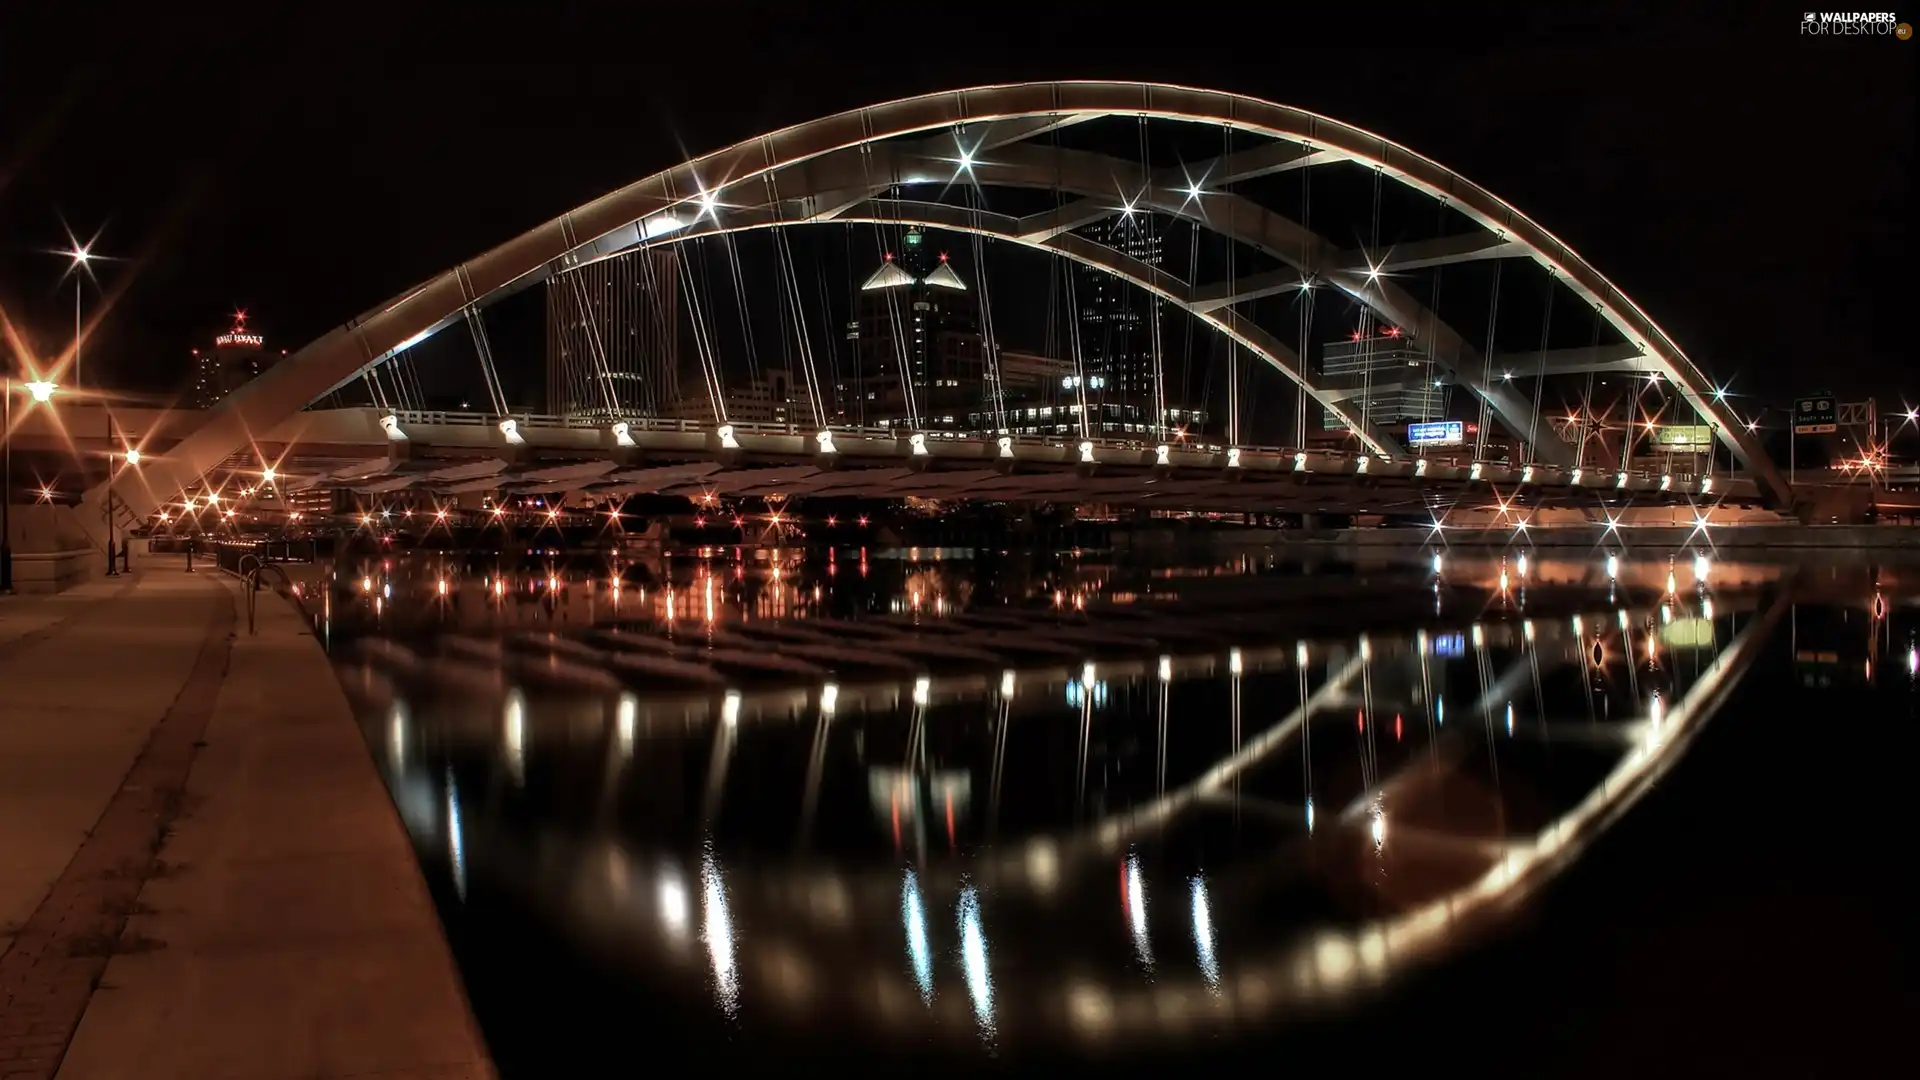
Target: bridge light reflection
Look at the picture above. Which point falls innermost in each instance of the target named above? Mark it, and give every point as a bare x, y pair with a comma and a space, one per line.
829, 698
973, 960
1133, 902
626, 715
514, 723
716, 933
1613, 567
1203, 937
919, 953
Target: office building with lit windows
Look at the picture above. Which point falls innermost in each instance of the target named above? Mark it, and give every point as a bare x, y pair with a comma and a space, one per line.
1388, 379
236, 358
916, 342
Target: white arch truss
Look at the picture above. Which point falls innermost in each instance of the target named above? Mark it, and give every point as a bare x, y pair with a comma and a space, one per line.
803, 161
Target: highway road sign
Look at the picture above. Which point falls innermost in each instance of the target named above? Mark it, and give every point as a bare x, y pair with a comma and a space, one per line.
1815, 416
1439, 433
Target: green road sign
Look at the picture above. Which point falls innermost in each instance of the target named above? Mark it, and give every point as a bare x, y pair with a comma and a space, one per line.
1815, 416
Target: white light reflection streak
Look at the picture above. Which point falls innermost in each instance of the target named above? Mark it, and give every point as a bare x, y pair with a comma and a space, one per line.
673, 905
914, 914
456, 841
973, 960
1203, 935
625, 716
716, 932
1133, 897
515, 723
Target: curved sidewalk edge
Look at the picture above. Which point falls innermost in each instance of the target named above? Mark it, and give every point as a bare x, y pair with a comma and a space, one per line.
291, 933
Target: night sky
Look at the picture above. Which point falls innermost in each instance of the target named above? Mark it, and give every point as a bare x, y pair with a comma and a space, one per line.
1750, 187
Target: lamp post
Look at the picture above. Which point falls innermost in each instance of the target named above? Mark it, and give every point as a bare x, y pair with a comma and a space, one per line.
6, 500
42, 392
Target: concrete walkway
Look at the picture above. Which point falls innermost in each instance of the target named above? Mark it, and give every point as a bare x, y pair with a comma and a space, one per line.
201, 874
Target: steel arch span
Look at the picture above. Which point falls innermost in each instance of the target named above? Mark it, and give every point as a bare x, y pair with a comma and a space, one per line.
838, 168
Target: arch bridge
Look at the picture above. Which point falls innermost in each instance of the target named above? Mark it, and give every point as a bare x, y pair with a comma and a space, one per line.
1035, 167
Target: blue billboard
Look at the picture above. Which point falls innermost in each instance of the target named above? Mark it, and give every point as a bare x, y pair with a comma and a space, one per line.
1438, 433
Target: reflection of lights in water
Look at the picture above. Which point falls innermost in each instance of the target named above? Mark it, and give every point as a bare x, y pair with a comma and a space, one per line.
1086, 677
1672, 586
397, 735
1133, 900
716, 931
1706, 607
1203, 935
1043, 865
919, 952
456, 841
1700, 568
1913, 661
1234, 664
1666, 614
1440, 712
516, 734
1503, 581
829, 698
1166, 669
1378, 828
386, 590
1656, 712
1300, 653
1438, 562
922, 689
1006, 684
730, 708
1613, 567
625, 716
1509, 717
673, 905
1523, 566
1309, 813
973, 959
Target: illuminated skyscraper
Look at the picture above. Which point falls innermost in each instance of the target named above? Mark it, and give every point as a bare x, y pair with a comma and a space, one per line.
236, 357
1117, 319
916, 327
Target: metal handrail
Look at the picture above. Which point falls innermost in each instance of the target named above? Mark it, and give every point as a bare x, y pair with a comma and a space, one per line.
251, 580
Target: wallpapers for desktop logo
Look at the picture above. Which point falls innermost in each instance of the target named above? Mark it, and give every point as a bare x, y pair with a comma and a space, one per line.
1854, 24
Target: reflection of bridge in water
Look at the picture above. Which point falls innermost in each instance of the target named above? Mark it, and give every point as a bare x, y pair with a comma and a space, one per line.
828, 937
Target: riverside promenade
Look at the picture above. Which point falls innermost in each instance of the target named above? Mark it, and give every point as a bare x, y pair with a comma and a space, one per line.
201, 874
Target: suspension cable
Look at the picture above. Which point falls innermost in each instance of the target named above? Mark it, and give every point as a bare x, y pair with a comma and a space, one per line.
989, 341
596, 348
893, 301
1540, 372
1157, 393
1486, 369
1306, 323
476, 325
1074, 342
1586, 403
703, 344
790, 287
1367, 322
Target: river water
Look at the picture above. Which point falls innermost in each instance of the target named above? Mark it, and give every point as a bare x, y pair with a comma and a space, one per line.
956, 810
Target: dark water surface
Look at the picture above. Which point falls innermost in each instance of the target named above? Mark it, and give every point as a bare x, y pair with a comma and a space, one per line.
806, 809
